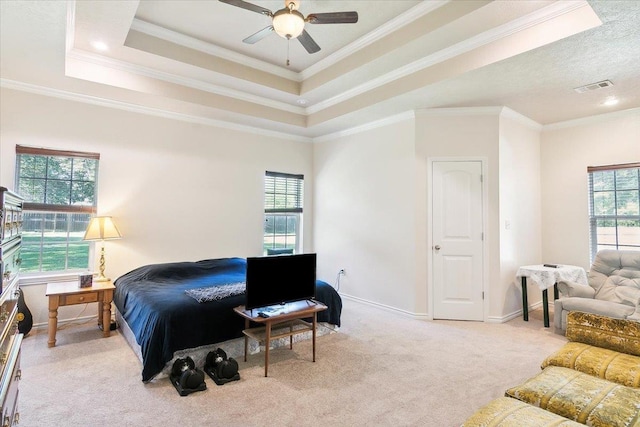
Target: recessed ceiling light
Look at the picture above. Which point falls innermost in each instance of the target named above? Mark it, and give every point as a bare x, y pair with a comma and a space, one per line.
100, 45
302, 101
612, 100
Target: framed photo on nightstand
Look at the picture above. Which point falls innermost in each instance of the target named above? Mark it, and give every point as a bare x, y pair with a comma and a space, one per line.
85, 280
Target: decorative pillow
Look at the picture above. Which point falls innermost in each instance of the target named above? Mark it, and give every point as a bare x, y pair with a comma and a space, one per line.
507, 412
600, 362
573, 289
581, 397
615, 334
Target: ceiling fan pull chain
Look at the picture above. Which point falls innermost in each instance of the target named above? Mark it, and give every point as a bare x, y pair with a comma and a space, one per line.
288, 43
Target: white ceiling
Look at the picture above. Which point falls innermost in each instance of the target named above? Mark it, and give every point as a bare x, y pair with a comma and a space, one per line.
186, 59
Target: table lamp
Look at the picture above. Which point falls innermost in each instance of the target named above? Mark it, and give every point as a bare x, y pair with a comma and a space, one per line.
102, 228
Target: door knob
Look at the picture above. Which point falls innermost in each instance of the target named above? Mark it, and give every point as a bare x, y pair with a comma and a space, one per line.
436, 247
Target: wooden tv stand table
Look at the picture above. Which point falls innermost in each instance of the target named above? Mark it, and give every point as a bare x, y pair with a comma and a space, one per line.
289, 315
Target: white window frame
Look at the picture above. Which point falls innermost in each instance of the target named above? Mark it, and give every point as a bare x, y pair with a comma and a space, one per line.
69, 209
291, 188
615, 217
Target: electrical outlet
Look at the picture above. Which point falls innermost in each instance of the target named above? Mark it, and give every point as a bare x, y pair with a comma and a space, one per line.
342, 272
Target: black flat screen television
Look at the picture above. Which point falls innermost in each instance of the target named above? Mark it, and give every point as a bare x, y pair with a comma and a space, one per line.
280, 279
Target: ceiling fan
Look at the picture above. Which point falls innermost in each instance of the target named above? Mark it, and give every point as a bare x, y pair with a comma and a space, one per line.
289, 23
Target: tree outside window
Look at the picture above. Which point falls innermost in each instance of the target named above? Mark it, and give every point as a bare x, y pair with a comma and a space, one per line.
283, 194
59, 188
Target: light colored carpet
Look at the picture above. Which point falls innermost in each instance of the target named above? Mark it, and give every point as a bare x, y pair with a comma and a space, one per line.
381, 369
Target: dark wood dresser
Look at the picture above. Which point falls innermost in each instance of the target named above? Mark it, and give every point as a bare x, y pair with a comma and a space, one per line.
10, 339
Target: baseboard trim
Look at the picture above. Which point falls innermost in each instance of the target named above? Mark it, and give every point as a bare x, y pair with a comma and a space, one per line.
418, 316
513, 314
427, 316
62, 322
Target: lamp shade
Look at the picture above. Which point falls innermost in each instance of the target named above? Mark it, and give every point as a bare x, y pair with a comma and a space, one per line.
102, 228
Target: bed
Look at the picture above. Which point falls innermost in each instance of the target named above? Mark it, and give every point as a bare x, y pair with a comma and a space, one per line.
153, 303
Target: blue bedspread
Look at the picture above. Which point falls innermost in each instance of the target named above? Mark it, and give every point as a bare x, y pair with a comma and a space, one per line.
164, 319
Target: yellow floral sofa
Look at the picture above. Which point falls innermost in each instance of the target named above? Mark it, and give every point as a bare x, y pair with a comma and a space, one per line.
593, 380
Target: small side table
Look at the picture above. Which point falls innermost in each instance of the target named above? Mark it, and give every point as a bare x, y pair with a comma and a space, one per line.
69, 293
546, 277
289, 315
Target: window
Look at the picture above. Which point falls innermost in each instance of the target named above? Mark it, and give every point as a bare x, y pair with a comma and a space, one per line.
614, 207
283, 197
59, 188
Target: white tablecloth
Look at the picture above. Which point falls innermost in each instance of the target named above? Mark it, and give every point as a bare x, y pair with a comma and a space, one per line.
546, 277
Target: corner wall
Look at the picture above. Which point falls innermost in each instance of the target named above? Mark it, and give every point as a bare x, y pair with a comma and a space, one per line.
459, 133
567, 150
364, 220
520, 221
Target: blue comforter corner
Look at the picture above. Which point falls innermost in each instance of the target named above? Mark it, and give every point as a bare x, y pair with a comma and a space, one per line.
164, 319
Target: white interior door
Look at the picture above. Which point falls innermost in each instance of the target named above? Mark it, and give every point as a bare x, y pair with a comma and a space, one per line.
457, 250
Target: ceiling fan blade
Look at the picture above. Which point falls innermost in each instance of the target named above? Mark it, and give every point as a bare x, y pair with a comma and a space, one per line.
308, 43
254, 38
248, 6
332, 18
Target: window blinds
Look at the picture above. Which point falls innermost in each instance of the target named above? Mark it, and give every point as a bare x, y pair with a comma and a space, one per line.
614, 206
283, 193
57, 180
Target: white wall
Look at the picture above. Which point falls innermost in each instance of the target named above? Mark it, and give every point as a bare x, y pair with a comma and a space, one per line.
364, 217
566, 152
178, 191
520, 220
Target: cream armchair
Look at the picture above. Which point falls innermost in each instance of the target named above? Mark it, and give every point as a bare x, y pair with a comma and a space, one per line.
613, 291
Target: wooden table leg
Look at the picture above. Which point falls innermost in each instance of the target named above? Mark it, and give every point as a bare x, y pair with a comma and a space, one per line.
266, 347
106, 312
313, 334
100, 314
525, 302
246, 339
53, 320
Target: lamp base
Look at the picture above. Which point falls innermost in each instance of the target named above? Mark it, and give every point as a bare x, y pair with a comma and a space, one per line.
101, 279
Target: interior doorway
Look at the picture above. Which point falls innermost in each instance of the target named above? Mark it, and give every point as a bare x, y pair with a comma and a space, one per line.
457, 250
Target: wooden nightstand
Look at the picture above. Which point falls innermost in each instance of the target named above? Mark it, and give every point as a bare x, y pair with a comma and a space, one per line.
69, 293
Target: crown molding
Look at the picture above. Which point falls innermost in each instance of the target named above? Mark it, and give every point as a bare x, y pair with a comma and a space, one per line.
592, 119
211, 49
135, 108
407, 115
382, 31
101, 60
460, 111
502, 31
501, 112
508, 113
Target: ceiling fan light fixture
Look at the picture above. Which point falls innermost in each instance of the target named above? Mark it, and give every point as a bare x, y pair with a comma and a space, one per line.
288, 23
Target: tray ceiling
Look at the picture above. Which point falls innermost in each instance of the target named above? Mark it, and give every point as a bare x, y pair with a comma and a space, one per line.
187, 58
